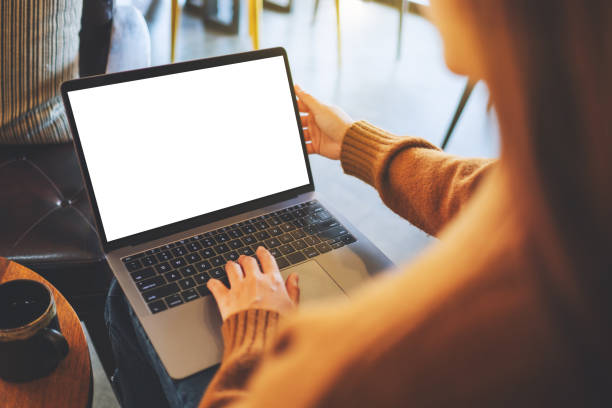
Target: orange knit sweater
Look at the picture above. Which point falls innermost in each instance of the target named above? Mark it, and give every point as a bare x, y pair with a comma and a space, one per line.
462, 325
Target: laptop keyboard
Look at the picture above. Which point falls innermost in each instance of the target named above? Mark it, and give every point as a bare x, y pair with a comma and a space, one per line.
176, 273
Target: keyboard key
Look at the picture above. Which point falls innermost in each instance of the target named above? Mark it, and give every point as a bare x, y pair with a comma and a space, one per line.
333, 233
187, 283
248, 229
149, 260
309, 220
287, 227
152, 283
217, 261
203, 290
179, 251
235, 233
297, 234
193, 258
246, 251
158, 306
142, 274
282, 263
190, 295
275, 252
323, 215
172, 276
261, 235
188, 271
130, 258
296, 257
203, 266
285, 239
300, 213
164, 256
275, 231
272, 243
178, 262
311, 252
337, 245
231, 256
286, 217
207, 253
274, 220
174, 300
261, 225
298, 223
133, 265
207, 242
161, 292
217, 273
312, 240
222, 248
286, 249
323, 247
348, 239
194, 246
235, 244
249, 240
299, 245
223, 237
163, 267
202, 278
322, 226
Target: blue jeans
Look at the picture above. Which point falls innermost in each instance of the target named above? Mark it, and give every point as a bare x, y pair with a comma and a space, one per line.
140, 378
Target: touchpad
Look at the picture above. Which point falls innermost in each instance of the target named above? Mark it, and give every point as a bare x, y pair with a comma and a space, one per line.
314, 282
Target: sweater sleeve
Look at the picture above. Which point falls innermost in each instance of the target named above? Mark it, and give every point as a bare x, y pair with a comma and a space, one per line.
245, 336
413, 177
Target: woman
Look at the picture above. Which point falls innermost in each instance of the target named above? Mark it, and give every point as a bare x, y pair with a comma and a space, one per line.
512, 306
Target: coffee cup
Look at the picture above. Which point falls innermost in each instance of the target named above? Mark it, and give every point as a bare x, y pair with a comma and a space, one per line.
31, 343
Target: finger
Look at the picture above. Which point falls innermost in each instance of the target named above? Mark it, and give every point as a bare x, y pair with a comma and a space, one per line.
302, 107
309, 101
310, 149
218, 290
292, 287
249, 266
268, 263
234, 273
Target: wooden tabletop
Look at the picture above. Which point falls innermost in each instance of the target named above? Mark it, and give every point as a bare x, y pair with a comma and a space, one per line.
70, 384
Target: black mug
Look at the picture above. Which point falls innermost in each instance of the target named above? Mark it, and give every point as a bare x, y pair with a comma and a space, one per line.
31, 343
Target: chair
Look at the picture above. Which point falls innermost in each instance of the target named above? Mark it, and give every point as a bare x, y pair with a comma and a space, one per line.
338, 32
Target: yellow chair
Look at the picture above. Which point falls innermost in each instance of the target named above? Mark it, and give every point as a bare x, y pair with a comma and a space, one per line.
255, 8
314, 15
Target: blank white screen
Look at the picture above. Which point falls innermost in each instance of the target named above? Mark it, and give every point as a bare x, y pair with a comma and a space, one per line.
165, 149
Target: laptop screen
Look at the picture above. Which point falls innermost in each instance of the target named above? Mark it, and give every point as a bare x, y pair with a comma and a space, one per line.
165, 149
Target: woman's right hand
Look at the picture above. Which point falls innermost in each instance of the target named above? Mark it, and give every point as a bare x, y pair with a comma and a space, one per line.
324, 125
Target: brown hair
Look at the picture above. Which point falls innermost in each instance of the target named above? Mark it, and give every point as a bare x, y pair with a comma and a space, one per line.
549, 67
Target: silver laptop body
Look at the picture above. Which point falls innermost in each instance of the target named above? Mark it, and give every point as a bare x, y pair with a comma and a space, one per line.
137, 216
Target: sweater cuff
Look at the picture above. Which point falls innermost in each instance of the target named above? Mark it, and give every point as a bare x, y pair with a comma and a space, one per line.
249, 329
367, 150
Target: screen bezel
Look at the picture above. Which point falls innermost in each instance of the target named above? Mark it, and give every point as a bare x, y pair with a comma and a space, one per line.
164, 230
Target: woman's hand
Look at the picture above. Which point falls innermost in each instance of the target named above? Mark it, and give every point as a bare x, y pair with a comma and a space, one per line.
253, 289
324, 125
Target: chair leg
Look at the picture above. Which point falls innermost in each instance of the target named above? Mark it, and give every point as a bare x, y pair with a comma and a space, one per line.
469, 87
402, 8
255, 8
314, 13
174, 24
338, 32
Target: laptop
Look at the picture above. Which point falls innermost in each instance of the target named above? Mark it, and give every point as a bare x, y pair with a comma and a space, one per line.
190, 165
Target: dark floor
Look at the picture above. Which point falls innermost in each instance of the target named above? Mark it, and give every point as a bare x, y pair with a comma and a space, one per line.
415, 95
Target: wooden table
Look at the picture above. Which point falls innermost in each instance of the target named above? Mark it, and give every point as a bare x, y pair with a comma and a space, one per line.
70, 385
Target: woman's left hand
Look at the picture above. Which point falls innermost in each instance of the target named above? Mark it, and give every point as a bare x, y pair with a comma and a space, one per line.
252, 288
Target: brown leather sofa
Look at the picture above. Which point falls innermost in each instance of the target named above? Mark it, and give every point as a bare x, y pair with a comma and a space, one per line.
46, 224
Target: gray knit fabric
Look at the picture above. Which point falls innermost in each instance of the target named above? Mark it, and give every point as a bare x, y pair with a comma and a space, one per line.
39, 45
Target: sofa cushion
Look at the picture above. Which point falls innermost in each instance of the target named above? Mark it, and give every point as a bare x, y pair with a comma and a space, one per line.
44, 209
